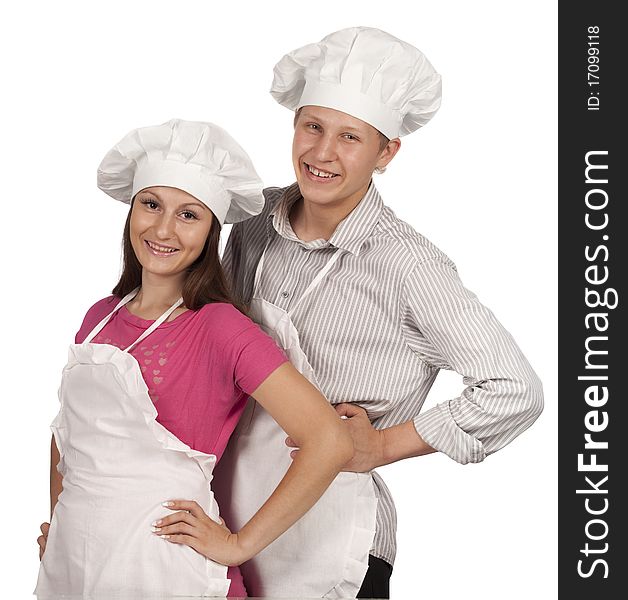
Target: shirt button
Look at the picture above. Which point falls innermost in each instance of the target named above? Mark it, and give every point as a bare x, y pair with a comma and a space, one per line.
284, 294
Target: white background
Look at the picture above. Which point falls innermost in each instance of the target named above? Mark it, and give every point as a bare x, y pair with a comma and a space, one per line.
479, 181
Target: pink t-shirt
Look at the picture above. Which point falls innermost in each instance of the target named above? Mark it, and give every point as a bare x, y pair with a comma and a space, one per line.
199, 368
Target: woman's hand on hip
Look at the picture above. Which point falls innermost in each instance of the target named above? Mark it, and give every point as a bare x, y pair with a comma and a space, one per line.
192, 527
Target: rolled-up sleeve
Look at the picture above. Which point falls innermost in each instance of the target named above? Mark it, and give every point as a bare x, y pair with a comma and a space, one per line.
448, 328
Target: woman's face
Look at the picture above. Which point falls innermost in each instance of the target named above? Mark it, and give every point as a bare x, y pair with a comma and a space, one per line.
168, 230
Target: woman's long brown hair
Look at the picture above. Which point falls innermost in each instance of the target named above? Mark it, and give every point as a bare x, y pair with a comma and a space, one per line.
205, 283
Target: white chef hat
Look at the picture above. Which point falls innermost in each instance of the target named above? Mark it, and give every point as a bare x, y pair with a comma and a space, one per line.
199, 158
366, 73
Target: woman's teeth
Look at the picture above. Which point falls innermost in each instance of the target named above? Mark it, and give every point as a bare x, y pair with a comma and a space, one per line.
319, 173
158, 248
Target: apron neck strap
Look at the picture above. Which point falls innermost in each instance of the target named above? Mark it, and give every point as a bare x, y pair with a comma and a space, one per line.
156, 324
94, 332
259, 270
319, 276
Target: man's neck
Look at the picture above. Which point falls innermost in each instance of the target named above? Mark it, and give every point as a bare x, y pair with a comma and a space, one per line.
311, 221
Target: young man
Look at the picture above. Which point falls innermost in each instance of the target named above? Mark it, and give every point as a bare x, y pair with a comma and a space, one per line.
369, 309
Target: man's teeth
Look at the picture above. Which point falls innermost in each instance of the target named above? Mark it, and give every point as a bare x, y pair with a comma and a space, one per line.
318, 173
160, 248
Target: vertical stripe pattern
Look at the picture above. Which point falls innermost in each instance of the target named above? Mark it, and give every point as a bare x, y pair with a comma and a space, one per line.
388, 316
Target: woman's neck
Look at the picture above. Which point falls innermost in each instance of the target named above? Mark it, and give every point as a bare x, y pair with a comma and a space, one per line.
156, 295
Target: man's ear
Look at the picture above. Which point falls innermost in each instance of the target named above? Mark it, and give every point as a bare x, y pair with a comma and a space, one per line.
388, 153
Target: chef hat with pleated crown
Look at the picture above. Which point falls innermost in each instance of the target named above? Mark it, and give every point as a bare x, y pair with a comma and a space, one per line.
366, 73
199, 158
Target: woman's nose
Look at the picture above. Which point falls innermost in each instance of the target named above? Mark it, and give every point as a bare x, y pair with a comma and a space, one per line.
165, 226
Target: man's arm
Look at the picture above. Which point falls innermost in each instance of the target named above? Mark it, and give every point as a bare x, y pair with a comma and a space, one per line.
447, 327
377, 447
372, 447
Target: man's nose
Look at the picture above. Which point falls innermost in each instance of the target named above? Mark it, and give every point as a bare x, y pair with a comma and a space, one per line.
325, 149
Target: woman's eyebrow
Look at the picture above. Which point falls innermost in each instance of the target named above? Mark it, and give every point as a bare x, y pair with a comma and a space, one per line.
197, 204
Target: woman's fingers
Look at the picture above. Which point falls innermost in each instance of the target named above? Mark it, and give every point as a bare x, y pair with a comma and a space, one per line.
176, 528
192, 527
43, 538
189, 505
198, 535
188, 512
178, 517
186, 540
221, 525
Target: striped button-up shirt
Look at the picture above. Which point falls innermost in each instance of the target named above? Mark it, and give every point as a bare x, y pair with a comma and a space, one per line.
388, 316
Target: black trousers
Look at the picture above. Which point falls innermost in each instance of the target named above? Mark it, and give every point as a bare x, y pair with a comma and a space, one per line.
376, 582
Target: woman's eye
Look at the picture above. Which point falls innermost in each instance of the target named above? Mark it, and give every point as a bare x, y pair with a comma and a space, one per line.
189, 216
149, 203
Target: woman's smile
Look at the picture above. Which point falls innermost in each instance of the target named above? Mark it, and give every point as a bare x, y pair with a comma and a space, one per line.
160, 249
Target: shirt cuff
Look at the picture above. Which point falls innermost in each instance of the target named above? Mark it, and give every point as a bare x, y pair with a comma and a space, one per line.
438, 428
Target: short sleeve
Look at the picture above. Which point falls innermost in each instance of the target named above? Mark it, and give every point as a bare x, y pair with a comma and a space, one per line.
93, 316
256, 356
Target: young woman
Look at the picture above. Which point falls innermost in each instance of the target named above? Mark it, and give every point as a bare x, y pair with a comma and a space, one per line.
156, 382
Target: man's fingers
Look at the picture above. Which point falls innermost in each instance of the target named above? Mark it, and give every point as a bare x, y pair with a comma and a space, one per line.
44, 528
291, 443
349, 410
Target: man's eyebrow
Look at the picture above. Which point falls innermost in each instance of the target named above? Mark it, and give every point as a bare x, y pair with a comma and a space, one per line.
311, 117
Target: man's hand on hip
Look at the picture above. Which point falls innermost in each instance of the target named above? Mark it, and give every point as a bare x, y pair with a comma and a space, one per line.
368, 442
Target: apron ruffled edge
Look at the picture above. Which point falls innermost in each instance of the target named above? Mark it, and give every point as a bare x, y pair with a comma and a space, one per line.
356, 564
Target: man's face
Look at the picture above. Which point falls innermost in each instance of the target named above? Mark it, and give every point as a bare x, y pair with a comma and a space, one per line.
334, 156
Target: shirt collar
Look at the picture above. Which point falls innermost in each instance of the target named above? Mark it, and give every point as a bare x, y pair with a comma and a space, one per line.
351, 232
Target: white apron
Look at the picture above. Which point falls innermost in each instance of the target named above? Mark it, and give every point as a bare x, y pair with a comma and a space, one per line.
325, 554
118, 466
